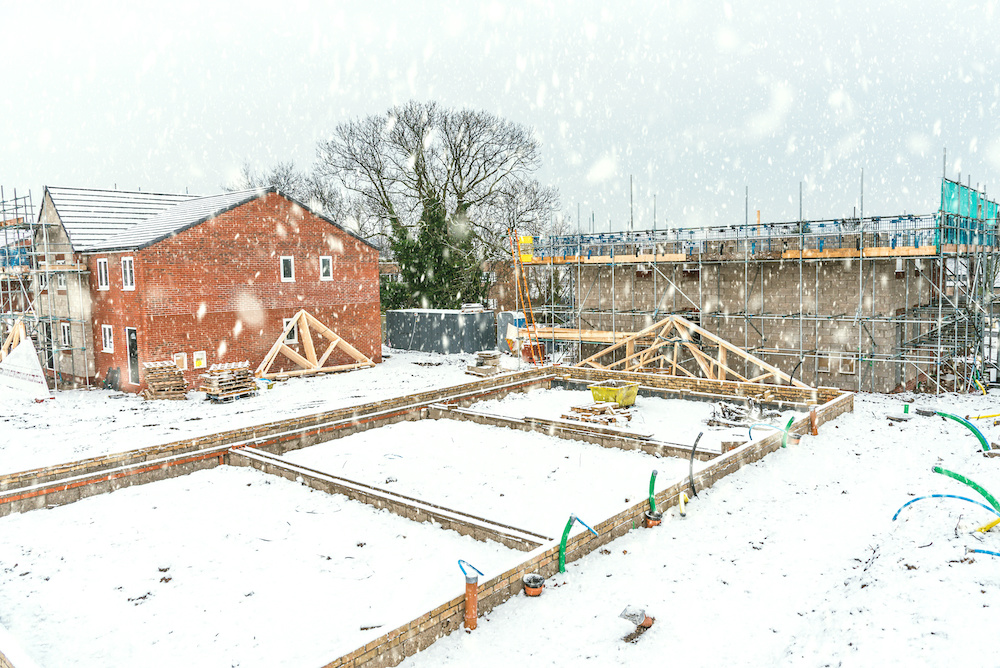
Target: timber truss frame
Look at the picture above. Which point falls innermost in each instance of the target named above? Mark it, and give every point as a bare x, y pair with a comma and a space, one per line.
17, 334
663, 344
310, 364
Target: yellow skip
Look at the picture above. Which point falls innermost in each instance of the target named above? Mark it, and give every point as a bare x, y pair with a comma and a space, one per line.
987, 527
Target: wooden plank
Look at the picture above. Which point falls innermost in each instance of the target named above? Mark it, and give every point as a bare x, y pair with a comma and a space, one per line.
835, 253
306, 338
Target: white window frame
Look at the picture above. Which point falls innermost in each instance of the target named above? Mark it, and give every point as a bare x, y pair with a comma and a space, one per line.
848, 363
108, 338
65, 335
181, 360
61, 277
293, 333
103, 277
823, 363
128, 274
326, 275
281, 268
200, 359
43, 281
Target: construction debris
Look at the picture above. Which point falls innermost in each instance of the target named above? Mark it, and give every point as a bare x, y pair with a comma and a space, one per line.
226, 382
164, 381
487, 364
303, 323
734, 415
607, 413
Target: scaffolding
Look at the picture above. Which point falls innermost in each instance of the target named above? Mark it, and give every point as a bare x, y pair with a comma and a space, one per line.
43, 286
931, 326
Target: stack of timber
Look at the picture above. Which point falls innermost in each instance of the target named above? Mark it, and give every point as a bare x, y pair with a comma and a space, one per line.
164, 381
607, 413
487, 364
226, 382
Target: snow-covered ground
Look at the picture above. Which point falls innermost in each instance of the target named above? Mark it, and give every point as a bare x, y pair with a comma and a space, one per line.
671, 420
226, 567
530, 481
794, 560
89, 423
791, 561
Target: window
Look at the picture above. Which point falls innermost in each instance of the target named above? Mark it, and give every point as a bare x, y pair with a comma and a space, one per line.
61, 277
293, 333
287, 269
199, 359
823, 363
326, 268
43, 281
66, 338
491, 304
128, 274
181, 360
847, 363
102, 275
489, 277
108, 337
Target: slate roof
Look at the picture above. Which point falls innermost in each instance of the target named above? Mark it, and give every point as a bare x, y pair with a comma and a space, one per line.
110, 220
174, 220
91, 216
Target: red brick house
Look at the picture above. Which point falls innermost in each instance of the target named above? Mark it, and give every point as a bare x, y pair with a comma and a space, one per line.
200, 280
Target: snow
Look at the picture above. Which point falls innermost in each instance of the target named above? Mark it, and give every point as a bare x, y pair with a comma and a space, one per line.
223, 567
793, 560
530, 481
671, 420
82, 424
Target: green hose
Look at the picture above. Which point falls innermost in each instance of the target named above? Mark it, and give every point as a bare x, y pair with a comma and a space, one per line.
562, 544
784, 439
652, 501
978, 434
961, 478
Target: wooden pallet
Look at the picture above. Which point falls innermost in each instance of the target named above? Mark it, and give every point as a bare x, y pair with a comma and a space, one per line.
164, 381
600, 412
226, 382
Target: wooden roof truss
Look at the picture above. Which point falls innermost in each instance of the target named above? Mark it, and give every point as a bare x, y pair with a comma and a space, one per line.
667, 345
310, 364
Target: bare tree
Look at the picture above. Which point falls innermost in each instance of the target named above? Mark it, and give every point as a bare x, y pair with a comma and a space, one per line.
476, 163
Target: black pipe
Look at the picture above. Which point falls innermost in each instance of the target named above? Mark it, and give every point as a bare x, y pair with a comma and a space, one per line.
691, 466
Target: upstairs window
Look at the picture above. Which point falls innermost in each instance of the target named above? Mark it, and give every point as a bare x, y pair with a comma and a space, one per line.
61, 277
287, 269
102, 275
128, 274
66, 338
326, 268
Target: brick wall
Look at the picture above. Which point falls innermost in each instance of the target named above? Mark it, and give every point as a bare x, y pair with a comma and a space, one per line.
217, 288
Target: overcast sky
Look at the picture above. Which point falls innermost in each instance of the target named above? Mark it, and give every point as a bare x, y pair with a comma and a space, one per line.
694, 100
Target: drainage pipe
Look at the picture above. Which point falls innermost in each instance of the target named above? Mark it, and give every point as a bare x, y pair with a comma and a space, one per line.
942, 496
784, 438
961, 478
683, 499
565, 536
989, 525
471, 594
691, 463
652, 500
978, 434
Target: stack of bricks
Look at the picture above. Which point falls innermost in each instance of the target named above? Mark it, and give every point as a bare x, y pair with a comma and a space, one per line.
164, 381
225, 382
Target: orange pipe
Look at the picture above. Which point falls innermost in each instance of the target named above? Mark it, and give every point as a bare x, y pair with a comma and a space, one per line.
471, 603
813, 423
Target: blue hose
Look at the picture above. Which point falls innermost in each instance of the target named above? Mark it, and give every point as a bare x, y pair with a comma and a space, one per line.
995, 554
943, 496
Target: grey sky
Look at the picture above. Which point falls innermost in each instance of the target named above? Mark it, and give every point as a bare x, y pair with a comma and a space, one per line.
694, 99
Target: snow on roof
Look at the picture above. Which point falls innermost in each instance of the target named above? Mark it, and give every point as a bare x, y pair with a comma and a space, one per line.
91, 216
177, 218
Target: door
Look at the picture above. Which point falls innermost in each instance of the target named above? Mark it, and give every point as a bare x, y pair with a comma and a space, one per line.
133, 355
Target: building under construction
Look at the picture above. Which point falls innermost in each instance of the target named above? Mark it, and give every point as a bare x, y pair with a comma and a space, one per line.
869, 303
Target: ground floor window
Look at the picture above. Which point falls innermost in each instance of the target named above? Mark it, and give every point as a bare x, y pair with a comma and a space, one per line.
293, 333
108, 338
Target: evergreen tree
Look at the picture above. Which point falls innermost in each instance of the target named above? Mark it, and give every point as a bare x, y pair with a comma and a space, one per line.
438, 267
